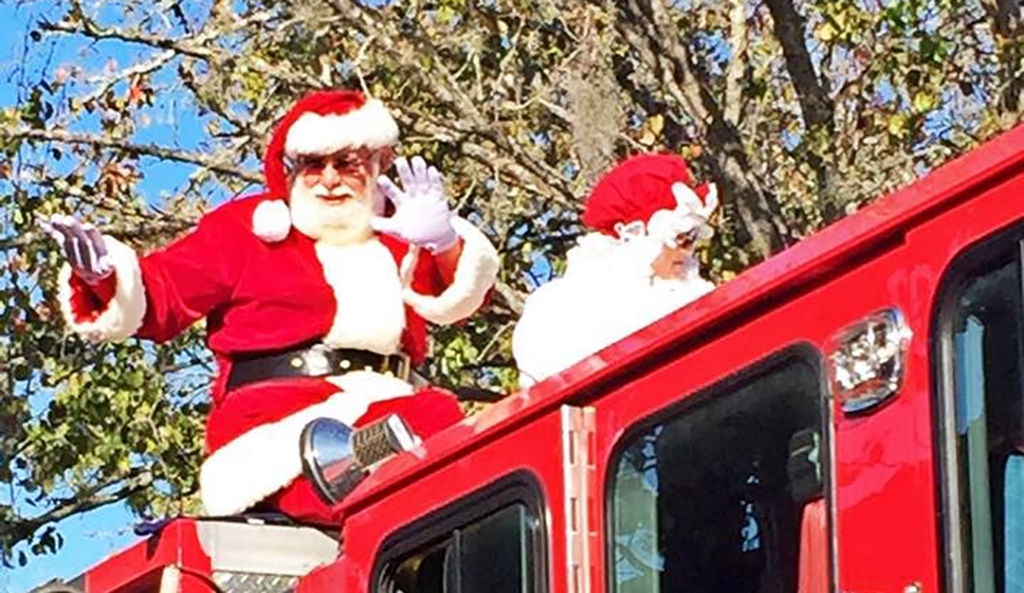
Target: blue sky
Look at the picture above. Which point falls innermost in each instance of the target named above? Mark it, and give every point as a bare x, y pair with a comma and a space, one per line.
88, 538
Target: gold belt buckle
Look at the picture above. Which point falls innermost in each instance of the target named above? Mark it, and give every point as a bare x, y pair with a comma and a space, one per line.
404, 366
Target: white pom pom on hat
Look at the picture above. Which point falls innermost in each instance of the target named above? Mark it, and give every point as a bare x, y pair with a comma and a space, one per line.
272, 221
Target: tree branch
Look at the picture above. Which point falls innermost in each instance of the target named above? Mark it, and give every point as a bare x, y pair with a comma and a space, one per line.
789, 27
197, 47
153, 150
817, 108
737, 64
105, 84
84, 500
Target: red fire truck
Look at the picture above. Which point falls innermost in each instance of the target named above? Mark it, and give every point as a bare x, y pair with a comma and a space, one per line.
847, 416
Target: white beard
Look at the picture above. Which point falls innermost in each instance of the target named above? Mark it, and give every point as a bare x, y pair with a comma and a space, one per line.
341, 222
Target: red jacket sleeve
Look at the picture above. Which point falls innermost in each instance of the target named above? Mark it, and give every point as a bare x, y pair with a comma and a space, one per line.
191, 276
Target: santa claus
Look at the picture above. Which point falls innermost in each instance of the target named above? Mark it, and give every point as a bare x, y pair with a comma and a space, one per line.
316, 295
635, 267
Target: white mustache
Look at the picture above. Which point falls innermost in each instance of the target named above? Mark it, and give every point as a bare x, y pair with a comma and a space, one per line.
338, 193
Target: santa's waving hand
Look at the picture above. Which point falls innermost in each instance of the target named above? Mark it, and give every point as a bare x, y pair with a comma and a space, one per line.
422, 216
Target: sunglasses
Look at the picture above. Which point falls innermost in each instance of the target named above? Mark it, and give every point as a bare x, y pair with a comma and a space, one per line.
685, 240
345, 163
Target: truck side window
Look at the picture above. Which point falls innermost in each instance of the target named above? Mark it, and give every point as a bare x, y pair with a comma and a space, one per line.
713, 498
984, 436
497, 552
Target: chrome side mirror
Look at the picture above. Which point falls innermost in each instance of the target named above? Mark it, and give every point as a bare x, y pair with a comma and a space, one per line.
337, 457
867, 361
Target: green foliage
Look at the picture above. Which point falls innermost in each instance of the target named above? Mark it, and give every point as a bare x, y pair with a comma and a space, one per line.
521, 103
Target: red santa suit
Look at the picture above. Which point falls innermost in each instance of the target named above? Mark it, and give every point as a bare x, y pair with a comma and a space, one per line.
264, 287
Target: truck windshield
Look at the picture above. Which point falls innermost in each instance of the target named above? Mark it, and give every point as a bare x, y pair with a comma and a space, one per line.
712, 498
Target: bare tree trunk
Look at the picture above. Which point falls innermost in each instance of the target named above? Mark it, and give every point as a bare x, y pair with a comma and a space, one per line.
818, 111
789, 28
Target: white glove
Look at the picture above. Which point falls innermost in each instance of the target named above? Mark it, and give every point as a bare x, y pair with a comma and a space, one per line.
422, 216
83, 247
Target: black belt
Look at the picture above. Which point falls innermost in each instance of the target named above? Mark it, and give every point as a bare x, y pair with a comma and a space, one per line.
314, 361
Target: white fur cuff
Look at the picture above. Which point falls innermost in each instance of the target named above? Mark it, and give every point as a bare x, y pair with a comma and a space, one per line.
124, 314
474, 276
370, 125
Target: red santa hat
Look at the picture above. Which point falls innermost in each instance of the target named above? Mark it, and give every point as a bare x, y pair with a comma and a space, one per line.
654, 190
322, 122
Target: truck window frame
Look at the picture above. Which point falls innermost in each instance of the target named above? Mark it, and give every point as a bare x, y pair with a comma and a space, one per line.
685, 403
970, 264
521, 487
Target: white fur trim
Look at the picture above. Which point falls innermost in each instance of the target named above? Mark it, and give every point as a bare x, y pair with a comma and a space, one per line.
126, 310
606, 294
690, 213
266, 458
371, 126
710, 201
370, 314
474, 276
374, 385
408, 268
272, 221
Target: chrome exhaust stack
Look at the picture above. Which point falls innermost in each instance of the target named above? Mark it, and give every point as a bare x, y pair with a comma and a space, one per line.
337, 457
